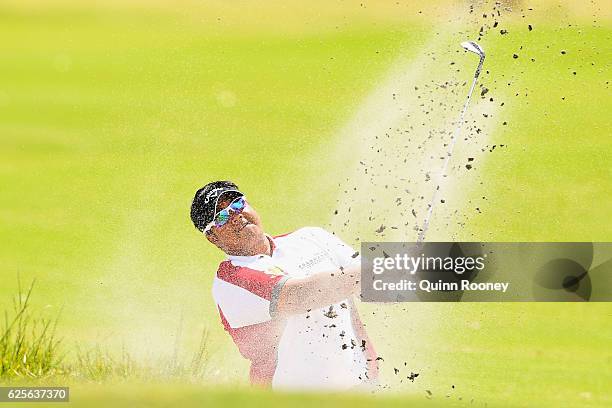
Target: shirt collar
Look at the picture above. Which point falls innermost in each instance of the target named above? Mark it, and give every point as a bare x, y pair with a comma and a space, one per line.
250, 258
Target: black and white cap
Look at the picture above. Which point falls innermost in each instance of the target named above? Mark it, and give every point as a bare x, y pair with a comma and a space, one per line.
204, 205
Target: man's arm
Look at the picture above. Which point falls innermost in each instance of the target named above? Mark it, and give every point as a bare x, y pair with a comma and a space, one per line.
299, 295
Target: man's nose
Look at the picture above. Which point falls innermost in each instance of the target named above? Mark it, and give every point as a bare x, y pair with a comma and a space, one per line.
237, 218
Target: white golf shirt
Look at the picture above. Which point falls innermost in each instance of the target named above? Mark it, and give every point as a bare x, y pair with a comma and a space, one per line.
315, 350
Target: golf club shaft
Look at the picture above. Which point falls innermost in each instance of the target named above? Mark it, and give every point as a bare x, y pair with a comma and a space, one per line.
449, 153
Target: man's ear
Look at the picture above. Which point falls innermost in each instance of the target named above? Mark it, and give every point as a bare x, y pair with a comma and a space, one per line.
212, 238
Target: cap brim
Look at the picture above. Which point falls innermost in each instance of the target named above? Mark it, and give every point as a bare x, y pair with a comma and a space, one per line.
229, 194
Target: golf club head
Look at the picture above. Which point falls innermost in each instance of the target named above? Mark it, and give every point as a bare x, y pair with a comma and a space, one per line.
473, 47
476, 49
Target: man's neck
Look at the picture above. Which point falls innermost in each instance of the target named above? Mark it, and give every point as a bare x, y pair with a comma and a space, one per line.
266, 247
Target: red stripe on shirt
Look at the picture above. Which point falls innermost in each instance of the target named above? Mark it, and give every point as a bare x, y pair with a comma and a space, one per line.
283, 235
259, 344
256, 282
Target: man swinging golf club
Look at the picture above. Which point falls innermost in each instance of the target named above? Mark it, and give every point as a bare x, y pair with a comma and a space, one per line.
286, 301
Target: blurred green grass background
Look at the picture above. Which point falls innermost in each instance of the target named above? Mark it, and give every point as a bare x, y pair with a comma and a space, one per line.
111, 116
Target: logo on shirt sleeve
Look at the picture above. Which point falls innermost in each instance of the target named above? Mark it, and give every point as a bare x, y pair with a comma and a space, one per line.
274, 271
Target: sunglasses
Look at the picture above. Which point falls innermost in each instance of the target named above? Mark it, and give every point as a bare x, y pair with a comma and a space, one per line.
222, 217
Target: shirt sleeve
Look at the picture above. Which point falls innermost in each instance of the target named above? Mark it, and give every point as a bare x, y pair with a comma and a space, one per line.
343, 254
246, 296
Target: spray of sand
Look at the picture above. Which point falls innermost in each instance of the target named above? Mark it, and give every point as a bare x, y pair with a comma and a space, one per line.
396, 141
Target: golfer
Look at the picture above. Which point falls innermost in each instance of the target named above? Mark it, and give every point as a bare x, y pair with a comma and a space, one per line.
286, 301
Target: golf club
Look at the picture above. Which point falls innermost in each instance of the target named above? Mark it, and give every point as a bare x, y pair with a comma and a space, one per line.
475, 48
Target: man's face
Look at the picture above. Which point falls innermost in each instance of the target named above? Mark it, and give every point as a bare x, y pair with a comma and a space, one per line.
242, 234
